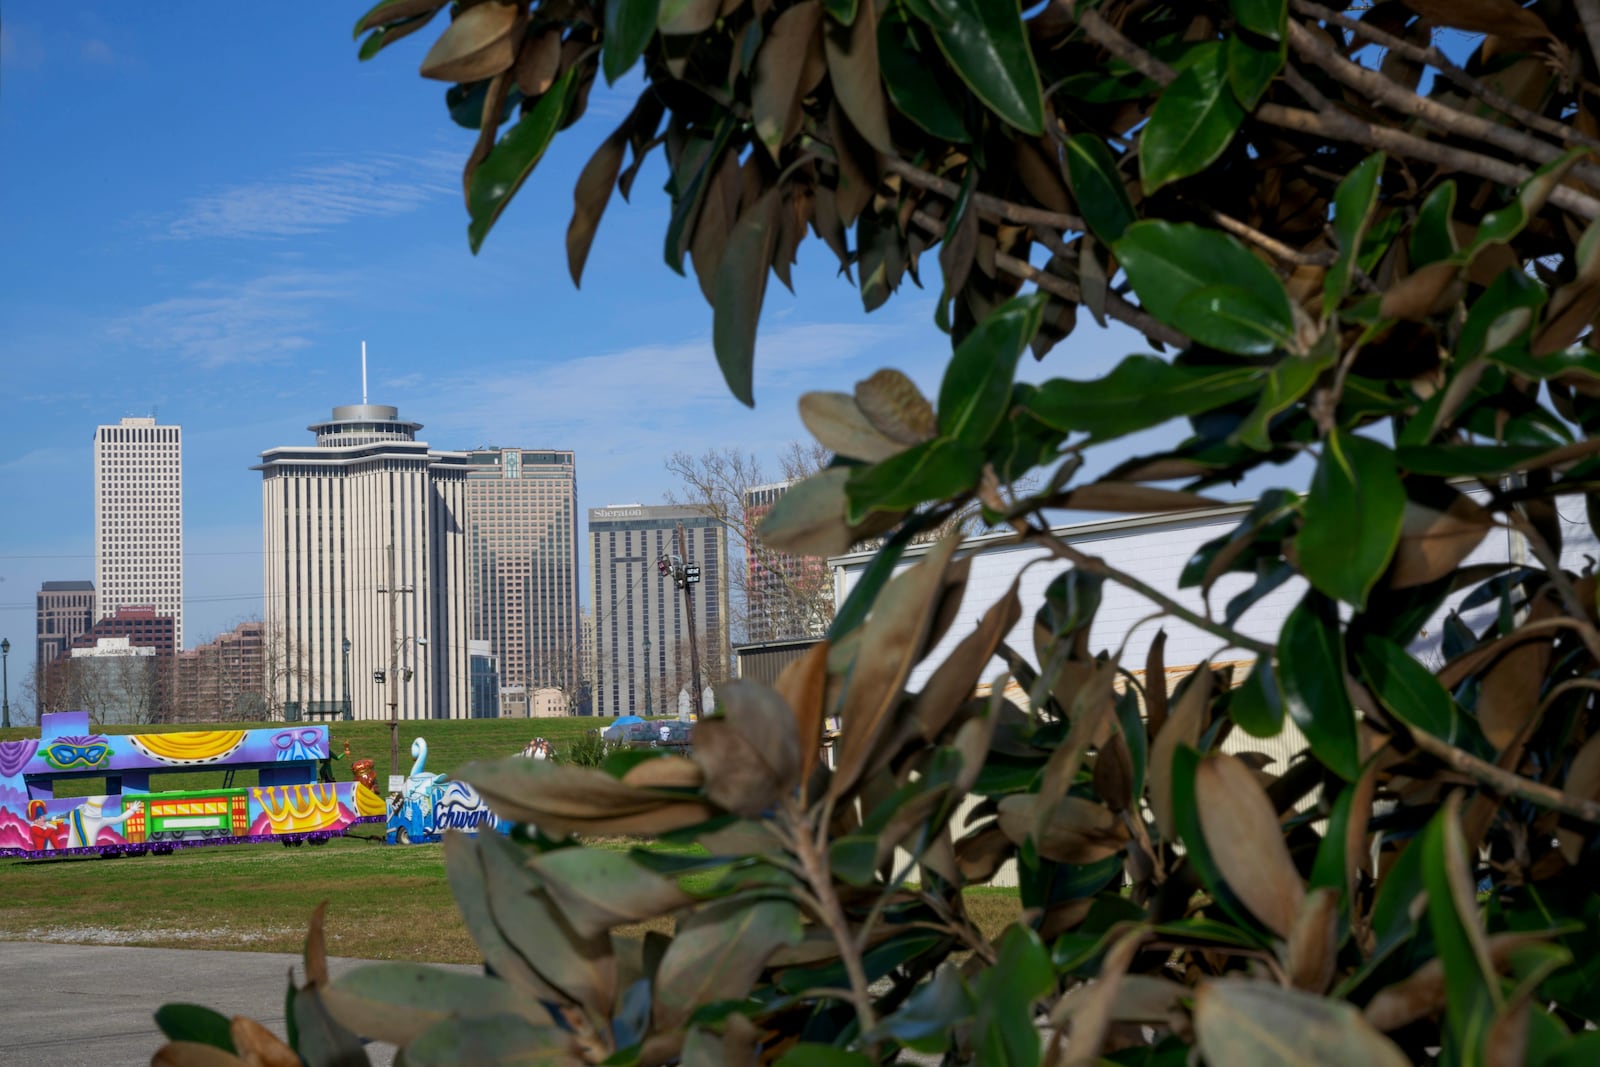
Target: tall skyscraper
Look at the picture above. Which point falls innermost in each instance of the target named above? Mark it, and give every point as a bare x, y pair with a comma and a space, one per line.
522, 532
64, 611
640, 622
786, 597
138, 518
363, 535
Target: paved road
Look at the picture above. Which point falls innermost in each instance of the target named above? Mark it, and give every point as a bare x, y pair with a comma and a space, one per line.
91, 1005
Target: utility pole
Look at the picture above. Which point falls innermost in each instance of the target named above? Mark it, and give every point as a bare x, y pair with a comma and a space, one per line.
688, 576
393, 675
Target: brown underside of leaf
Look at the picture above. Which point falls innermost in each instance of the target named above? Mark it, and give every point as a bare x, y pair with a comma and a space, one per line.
1246, 841
477, 45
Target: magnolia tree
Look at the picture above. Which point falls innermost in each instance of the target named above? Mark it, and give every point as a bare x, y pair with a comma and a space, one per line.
1344, 246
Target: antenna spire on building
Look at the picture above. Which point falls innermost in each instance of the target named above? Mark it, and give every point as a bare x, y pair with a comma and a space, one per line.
363, 372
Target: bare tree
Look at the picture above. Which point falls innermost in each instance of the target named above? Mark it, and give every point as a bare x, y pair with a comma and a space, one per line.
774, 595
286, 672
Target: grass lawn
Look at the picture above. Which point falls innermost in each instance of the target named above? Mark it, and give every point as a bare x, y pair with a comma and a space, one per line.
385, 902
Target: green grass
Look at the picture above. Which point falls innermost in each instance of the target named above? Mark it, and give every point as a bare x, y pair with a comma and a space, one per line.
452, 744
384, 901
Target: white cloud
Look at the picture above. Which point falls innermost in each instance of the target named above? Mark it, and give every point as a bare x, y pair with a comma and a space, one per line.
315, 198
257, 321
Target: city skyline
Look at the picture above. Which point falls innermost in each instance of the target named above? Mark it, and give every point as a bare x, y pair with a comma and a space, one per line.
138, 519
226, 280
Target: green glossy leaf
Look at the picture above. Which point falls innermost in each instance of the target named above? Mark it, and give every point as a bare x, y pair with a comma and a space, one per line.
1192, 122
1330, 870
1257, 705
1175, 269
977, 382
509, 162
629, 25
1503, 316
987, 45
1352, 517
1264, 17
1004, 1033
854, 858
1458, 461
1311, 677
930, 471
191, 1022
1433, 238
919, 83
1470, 986
1097, 187
1289, 380
1251, 69
924, 1021
318, 1036
1071, 601
1505, 223
1353, 202
1407, 689
1578, 360
1130, 718
853, 612
1141, 392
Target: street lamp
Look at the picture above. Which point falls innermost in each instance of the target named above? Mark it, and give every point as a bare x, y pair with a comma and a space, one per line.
394, 676
347, 679
5, 677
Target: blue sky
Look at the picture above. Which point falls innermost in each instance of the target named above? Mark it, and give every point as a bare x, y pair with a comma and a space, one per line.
205, 208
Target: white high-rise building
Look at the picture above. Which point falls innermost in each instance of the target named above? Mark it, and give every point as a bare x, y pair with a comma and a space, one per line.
363, 534
138, 519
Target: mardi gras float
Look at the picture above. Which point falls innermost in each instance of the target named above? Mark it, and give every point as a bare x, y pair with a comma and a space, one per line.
135, 815
432, 803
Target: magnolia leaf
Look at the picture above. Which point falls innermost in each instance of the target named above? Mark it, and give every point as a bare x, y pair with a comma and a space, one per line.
1583, 782
538, 63
1206, 284
319, 1038
1192, 122
195, 1054
477, 45
259, 1046
741, 289
493, 1040
388, 12
1311, 678
1243, 1023
590, 196
665, 772
937, 470
718, 953
396, 1002
1246, 841
1509, 693
776, 90
1182, 727
839, 425
1097, 186
852, 54
1312, 956
1352, 517
629, 25
751, 753
196, 1025
1140, 392
953, 682
1128, 497
987, 44
894, 405
1503, 18
808, 520
597, 889
510, 161
803, 684
977, 381
687, 17
1353, 203
1472, 992
463, 864
1073, 830
892, 641
1433, 543
569, 799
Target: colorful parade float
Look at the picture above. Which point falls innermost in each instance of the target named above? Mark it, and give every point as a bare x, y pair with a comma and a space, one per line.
287, 802
433, 803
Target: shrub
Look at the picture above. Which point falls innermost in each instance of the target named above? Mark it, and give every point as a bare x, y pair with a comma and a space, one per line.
1390, 285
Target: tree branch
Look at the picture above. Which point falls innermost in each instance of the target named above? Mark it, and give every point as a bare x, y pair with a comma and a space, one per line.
1432, 57
1446, 119
1504, 782
814, 862
1116, 307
